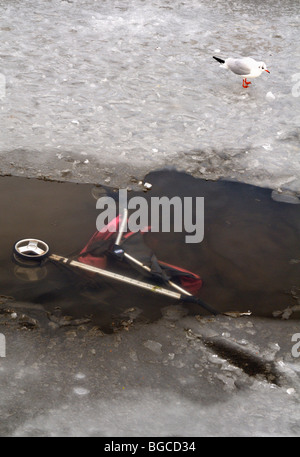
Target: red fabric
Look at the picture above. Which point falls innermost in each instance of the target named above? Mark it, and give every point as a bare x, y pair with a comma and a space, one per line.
191, 282
192, 285
105, 234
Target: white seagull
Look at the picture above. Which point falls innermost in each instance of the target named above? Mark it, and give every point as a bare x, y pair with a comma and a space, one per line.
246, 67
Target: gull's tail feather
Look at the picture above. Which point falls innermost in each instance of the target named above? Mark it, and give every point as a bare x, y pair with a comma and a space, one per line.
219, 60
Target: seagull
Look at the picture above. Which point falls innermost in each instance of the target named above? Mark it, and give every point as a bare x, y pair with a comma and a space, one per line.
246, 67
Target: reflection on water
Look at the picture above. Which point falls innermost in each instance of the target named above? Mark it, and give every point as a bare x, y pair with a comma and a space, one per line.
249, 258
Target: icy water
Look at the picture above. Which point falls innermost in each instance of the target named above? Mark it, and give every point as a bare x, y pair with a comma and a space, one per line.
249, 258
105, 90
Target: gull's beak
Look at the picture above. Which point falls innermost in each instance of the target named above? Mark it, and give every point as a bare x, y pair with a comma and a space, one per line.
267, 71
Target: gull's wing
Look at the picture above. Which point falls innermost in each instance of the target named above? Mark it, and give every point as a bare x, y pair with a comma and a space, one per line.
240, 66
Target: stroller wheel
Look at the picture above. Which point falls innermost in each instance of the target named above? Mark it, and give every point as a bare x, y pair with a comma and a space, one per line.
31, 249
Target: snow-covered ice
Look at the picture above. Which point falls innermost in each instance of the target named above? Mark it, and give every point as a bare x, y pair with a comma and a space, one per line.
103, 91
115, 89
186, 388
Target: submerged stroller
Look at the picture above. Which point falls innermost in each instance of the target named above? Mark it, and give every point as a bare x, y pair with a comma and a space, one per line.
163, 278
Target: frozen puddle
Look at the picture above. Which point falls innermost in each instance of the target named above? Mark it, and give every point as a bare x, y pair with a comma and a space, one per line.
249, 259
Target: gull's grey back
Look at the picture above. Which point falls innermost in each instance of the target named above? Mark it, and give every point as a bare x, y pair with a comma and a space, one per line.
239, 66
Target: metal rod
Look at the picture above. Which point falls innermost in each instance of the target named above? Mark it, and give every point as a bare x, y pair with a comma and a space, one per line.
137, 262
116, 276
145, 267
122, 227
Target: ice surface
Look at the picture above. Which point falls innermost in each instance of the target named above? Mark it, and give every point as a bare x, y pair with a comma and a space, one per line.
54, 384
113, 89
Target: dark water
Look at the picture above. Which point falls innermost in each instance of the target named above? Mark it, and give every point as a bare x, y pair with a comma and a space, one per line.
249, 258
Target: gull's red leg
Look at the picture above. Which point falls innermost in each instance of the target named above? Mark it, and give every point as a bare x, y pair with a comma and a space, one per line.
246, 83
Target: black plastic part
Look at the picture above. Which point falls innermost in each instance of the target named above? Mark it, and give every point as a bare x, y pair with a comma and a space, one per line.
118, 252
191, 299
